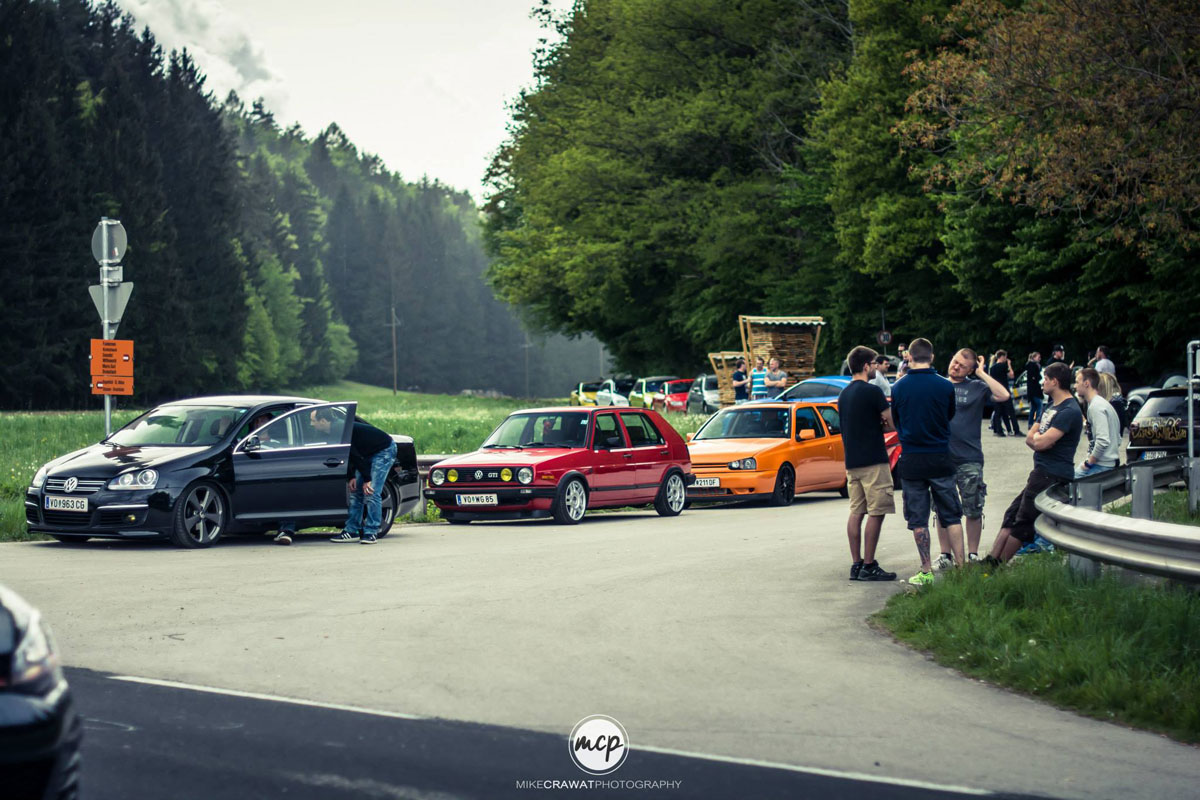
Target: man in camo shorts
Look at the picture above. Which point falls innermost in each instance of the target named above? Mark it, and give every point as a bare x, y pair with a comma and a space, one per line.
966, 451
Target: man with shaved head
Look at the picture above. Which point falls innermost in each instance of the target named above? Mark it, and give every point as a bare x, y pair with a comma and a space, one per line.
972, 388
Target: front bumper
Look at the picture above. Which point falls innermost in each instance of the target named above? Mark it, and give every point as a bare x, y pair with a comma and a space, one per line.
512, 502
111, 514
735, 485
39, 743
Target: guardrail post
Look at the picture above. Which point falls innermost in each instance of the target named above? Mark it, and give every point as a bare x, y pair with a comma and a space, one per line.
1143, 492
419, 512
1192, 474
1090, 496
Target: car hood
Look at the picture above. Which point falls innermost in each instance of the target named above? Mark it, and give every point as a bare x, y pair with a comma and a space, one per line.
106, 460
506, 458
709, 451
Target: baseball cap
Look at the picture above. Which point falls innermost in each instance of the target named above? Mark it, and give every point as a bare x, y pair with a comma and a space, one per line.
1058, 347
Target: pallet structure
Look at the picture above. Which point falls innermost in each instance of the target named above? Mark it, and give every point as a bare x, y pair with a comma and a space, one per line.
793, 340
724, 363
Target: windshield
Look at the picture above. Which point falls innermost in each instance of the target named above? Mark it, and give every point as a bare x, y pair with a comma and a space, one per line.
624, 386
564, 429
654, 386
710, 382
189, 426
743, 422
589, 387
678, 387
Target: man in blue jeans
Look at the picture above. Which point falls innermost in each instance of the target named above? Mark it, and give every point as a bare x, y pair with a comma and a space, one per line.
923, 404
372, 453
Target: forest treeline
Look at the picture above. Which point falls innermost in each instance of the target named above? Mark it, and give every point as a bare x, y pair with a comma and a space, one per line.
994, 174
261, 258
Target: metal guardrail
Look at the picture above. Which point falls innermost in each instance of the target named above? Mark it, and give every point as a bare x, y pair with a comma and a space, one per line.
1071, 518
425, 462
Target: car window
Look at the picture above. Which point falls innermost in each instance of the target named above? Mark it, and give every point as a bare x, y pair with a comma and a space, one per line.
624, 387
1175, 380
589, 387
806, 420
710, 382
747, 422
1172, 405
642, 432
192, 426
608, 433
810, 389
833, 420
550, 429
675, 387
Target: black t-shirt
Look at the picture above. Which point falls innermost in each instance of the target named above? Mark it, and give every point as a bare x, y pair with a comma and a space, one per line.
1059, 460
740, 392
859, 407
999, 372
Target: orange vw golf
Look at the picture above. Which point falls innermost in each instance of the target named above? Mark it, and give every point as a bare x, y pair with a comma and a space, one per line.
769, 451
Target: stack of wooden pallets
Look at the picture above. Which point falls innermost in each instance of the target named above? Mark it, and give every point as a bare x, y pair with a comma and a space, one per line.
793, 340
724, 363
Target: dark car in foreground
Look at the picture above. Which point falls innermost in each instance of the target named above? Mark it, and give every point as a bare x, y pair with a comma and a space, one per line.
1160, 427
40, 730
196, 470
558, 462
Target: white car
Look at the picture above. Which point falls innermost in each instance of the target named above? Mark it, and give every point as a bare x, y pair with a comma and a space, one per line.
614, 392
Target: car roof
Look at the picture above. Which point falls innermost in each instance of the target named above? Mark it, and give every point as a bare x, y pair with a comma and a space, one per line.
658, 378
241, 400
828, 379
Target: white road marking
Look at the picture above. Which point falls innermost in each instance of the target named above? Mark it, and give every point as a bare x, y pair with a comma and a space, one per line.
259, 696
748, 762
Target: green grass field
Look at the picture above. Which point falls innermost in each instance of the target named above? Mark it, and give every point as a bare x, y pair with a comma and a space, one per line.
437, 423
1169, 506
1112, 650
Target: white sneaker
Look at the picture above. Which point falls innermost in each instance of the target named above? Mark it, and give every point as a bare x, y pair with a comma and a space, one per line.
944, 562
973, 558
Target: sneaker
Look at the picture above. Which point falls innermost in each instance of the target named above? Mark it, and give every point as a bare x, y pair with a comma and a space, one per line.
922, 579
345, 536
1001, 434
1016, 432
944, 561
368, 538
284, 537
854, 570
972, 558
874, 572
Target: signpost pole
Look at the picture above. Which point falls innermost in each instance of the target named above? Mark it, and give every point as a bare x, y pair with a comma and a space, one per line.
104, 290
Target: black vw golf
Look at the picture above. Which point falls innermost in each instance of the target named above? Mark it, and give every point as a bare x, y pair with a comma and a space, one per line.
195, 470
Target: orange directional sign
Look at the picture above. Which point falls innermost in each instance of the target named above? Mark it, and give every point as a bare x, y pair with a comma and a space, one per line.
106, 385
113, 358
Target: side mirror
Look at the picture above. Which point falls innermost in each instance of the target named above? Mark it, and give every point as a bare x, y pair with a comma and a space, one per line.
251, 445
806, 434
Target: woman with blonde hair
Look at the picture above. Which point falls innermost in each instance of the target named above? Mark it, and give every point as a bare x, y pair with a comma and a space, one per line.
1110, 390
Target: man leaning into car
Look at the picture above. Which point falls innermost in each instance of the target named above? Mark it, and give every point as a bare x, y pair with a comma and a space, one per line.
372, 453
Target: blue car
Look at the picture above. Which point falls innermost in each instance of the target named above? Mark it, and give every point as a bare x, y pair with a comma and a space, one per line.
824, 389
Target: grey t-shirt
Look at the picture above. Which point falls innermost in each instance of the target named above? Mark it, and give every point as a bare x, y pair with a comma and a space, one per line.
1104, 432
969, 398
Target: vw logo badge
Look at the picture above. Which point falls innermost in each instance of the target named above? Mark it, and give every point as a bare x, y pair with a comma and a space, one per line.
478, 474
70, 484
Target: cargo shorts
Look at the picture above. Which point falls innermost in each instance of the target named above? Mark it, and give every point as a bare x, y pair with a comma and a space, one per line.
971, 488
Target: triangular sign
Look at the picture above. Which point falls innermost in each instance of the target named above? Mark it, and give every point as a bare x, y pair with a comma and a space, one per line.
116, 301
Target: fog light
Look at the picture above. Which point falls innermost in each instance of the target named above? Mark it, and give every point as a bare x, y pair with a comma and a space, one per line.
506, 474
131, 517
452, 475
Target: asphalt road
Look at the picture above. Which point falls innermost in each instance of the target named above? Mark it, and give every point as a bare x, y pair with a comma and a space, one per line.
147, 741
729, 632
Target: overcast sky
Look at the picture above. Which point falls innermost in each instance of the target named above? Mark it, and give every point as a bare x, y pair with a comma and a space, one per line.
421, 83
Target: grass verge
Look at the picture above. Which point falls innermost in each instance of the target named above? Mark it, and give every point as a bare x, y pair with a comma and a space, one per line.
1169, 506
1104, 648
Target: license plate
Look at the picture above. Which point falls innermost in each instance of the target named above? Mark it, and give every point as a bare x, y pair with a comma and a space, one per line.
1149, 454
477, 499
66, 503
706, 483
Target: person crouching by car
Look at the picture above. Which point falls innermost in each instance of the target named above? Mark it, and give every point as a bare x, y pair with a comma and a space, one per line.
372, 453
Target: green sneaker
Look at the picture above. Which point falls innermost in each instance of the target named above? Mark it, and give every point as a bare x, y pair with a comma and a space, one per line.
922, 579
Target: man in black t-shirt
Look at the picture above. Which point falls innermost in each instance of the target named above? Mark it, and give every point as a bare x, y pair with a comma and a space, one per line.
865, 415
1002, 372
1033, 387
1054, 443
741, 383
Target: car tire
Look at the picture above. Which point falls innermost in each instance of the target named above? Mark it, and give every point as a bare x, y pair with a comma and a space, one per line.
388, 503
200, 516
785, 486
70, 539
570, 504
845, 490
671, 497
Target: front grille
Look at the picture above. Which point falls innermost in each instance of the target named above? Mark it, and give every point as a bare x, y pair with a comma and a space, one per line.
31, 514
110, 518
86, 486
703, 465
66, 519
488, 475
708, 492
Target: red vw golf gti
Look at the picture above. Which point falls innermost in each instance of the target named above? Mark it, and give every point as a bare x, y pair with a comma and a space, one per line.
558, 462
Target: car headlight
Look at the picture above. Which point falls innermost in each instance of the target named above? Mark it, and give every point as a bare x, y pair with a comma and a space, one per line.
40, 478
438, 476
744, 463
525, 475
36, 658
452, 475
506, 474
145, 479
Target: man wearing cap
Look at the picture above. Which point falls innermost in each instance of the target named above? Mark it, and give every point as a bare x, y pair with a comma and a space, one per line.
1057, 355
